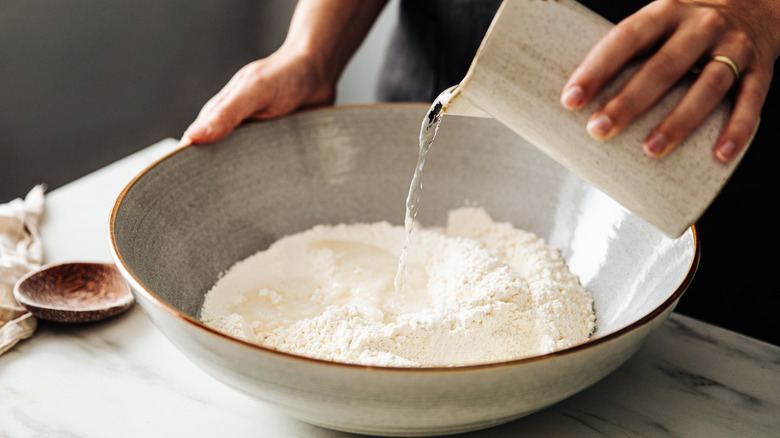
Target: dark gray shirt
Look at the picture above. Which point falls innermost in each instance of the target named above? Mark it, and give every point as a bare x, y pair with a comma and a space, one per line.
435, 41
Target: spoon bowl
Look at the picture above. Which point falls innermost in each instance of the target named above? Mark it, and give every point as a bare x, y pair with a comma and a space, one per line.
74, 292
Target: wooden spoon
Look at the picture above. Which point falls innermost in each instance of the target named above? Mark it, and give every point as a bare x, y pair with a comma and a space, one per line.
74, 292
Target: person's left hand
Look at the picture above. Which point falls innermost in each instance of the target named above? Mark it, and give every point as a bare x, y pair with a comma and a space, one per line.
679, 34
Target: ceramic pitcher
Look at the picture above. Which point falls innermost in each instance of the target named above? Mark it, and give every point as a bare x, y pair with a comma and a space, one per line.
517, 77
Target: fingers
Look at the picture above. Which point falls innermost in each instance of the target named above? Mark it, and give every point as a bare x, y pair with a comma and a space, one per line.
707, 91
744, 117
629, 38
236, 102
689, 32
266, 88
656, 76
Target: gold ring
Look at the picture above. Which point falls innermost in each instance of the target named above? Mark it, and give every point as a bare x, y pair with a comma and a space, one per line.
732, 65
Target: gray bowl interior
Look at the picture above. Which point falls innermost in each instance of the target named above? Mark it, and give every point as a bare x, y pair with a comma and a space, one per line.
192, 215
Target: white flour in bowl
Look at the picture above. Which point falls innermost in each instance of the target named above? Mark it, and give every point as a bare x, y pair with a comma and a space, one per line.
476, 292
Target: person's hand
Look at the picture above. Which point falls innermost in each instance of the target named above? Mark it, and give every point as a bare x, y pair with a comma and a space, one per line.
303, 73
679, 35
270, 87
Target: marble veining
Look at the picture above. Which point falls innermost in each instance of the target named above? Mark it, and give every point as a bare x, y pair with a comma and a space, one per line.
122, 378
79, 381
735, 350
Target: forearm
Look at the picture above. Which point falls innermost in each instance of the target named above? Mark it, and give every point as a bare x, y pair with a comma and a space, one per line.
329, 31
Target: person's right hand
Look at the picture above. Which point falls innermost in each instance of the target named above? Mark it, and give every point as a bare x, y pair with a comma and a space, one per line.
269, 87
736, 43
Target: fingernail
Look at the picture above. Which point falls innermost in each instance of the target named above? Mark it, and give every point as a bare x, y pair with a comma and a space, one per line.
197, 133
573, 97
655, 144
726, 151
185, 141
600, 127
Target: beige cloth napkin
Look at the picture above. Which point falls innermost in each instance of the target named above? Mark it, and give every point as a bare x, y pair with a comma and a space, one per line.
21, 251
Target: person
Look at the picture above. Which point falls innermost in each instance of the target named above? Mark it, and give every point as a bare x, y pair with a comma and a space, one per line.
734, 43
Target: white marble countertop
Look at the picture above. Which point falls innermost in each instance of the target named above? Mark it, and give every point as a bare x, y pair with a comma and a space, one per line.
122, 378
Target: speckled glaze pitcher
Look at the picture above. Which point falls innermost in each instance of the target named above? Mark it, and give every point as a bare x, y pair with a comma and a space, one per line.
517, 76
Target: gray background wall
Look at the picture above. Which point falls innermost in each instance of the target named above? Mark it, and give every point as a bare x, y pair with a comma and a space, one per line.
84, 83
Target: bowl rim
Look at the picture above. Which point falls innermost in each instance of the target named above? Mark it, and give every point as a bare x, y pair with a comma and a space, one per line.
160, 303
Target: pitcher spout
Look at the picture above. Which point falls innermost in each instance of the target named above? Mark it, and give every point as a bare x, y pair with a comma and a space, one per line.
454, 102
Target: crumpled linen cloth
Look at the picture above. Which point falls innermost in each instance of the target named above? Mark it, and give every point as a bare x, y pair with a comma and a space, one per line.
21, 251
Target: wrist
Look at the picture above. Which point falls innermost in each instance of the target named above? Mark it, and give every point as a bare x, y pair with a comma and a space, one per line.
328, 32
316, 58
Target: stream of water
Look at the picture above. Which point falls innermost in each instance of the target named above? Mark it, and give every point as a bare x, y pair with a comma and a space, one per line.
430, 125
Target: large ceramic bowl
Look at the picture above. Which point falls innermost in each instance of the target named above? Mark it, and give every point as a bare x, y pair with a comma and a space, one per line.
196, 212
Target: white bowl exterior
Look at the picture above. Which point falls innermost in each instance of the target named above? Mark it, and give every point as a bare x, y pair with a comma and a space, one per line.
397, 402
195, 213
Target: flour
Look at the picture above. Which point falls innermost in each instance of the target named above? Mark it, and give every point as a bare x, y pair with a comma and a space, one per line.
476, 292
